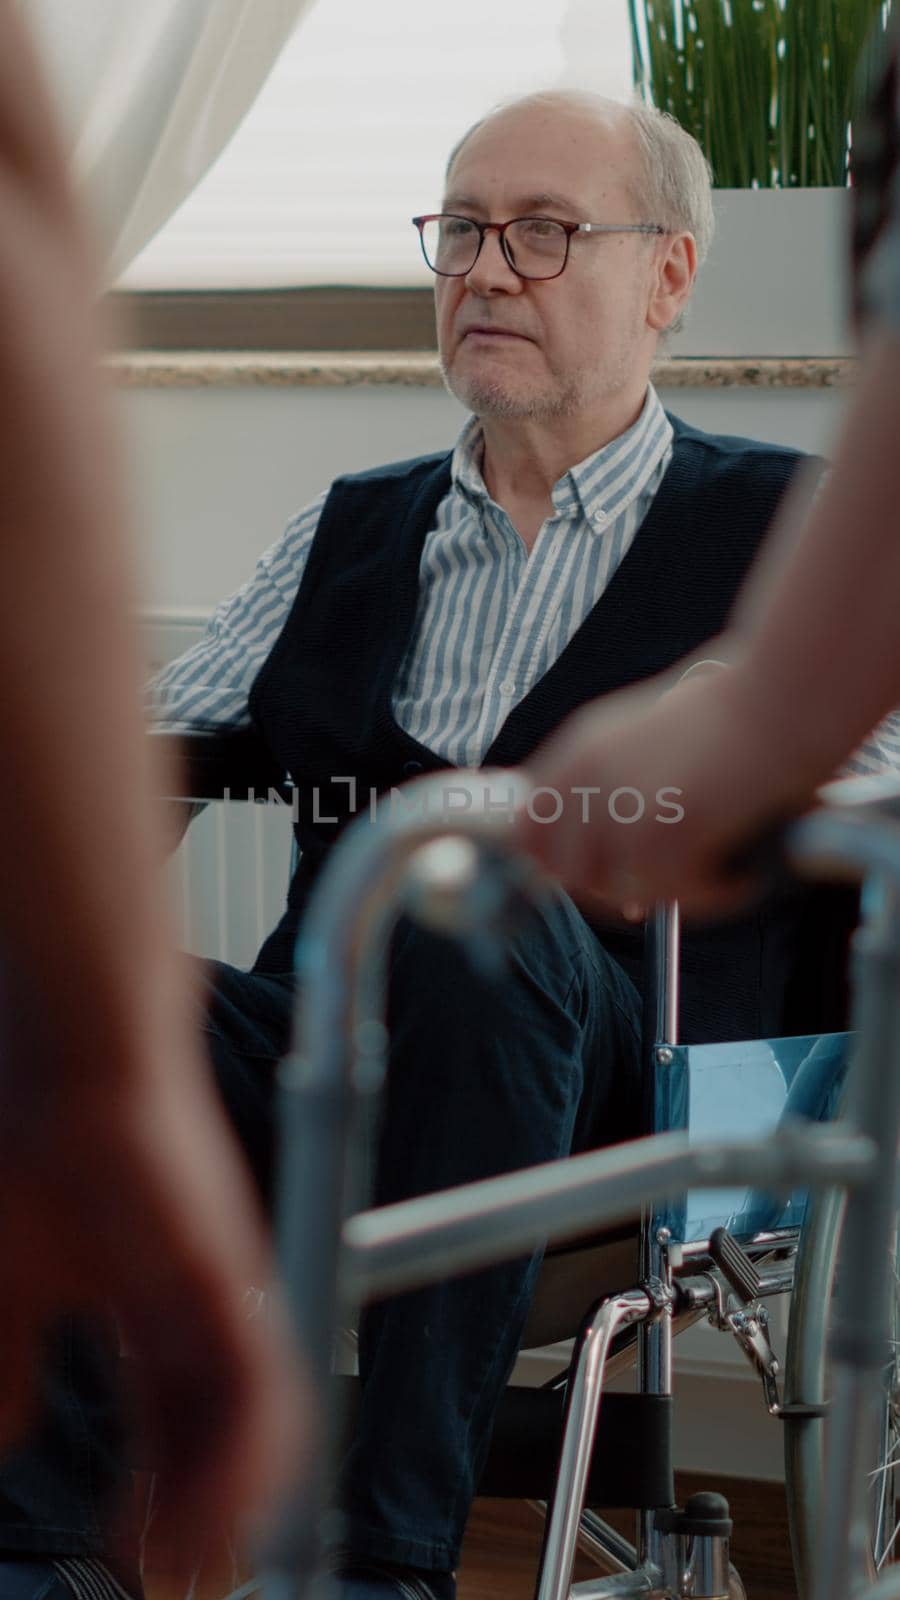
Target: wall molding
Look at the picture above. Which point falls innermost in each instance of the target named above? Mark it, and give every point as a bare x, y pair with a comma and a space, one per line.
309, 369
167, 631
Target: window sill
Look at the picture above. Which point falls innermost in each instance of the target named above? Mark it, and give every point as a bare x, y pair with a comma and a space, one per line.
419, 369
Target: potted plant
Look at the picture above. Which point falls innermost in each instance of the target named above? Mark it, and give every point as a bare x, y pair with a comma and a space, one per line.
770, 89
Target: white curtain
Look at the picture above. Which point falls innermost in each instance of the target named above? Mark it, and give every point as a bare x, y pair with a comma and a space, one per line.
349, 137
150, 92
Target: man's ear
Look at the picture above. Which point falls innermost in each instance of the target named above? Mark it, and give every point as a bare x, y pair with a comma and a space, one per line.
674, 274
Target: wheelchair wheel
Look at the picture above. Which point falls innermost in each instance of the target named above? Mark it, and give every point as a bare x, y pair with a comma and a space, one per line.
817, 1278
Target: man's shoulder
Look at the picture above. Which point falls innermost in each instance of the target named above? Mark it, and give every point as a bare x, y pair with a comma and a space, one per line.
410, 470
371, 505
725, 449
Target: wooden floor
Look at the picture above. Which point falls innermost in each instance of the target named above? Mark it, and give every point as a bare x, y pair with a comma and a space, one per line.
504, 1539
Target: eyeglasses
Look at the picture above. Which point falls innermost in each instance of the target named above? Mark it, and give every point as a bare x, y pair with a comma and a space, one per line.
535, 247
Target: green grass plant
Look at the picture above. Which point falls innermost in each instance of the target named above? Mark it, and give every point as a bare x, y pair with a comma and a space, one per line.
769, 88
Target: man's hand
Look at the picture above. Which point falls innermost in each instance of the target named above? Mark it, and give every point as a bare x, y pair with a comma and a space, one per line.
698, 770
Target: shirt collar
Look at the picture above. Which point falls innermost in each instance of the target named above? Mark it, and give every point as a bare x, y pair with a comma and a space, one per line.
602, 485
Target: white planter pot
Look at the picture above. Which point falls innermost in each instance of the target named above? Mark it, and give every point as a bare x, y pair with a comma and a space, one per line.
775, 280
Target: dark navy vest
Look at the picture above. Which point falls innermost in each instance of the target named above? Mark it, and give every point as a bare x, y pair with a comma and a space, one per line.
322, 700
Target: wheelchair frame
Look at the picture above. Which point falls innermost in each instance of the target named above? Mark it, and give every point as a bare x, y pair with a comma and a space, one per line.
340, 1063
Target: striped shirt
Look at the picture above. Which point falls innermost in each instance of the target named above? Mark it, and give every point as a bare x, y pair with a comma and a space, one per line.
492, 616
89, 1579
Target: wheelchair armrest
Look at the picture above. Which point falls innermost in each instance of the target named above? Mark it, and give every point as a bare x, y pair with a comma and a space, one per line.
219, 766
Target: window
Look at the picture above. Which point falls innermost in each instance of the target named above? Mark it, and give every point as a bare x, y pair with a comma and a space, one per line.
350, 135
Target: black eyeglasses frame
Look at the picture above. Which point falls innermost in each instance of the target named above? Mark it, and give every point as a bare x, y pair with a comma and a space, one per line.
569, 228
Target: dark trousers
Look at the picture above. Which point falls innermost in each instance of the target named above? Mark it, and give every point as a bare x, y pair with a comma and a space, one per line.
484, 1076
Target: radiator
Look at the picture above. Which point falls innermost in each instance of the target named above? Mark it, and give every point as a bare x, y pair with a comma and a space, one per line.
229, 879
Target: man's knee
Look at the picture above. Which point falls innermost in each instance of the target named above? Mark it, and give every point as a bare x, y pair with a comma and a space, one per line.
543, 945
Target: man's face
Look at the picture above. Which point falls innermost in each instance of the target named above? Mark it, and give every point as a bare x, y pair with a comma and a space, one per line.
530, 349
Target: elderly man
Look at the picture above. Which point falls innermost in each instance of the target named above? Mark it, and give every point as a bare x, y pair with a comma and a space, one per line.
451, 611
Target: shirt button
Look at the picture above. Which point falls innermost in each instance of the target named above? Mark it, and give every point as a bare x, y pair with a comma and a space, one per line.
601, 518
507, 688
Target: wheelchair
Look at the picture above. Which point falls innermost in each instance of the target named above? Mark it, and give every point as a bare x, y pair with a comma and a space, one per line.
719, 1253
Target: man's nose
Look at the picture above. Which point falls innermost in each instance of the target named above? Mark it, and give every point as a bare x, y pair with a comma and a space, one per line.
492, 271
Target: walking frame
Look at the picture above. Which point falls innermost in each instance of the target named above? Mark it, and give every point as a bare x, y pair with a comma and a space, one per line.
457, 874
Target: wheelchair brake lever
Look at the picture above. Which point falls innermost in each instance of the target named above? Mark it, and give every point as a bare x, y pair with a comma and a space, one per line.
735, 1265
749, 1321
751, 1330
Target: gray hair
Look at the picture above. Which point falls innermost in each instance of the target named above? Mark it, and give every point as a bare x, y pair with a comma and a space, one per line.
675, 182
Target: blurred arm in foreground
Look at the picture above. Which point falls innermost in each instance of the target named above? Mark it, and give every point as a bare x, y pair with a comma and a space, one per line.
815, 663
120, 1186
814, 641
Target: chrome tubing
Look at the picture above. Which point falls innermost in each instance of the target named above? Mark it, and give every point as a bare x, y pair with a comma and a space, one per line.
655, 1341
414, 1242
584, 1394
841, 841
667, 936
339, 1065
419, 854
661, 1030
